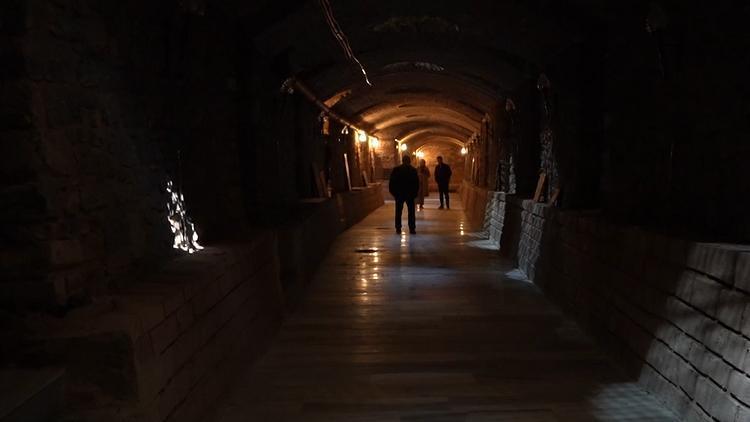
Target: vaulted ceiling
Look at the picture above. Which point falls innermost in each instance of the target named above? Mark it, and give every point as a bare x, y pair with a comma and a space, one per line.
436, 67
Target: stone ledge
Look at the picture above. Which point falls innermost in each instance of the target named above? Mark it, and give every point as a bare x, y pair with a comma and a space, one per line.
682, 307
160, 334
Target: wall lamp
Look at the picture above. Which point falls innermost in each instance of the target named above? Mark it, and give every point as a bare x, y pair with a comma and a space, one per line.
464, 151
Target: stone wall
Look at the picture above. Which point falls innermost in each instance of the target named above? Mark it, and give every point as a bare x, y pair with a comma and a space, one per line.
655, 118
163, 346
163, 343
102, 103
674, 123
111, 101
304, 240
673, 312
485, 210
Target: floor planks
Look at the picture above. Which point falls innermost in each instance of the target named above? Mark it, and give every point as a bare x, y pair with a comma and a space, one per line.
430, 327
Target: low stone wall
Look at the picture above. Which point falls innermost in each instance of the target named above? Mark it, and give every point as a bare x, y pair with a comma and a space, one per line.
475, 202
162, 346
230, 309
164, 343
675, 313
356, 204
304, 241
485, 210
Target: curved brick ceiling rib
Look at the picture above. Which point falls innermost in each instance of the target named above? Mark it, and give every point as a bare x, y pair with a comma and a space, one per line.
419, 138
416, 144
435, 66
417, 131
428, 97
421, 113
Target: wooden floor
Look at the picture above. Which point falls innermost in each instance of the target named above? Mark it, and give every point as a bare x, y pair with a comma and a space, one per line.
429, 327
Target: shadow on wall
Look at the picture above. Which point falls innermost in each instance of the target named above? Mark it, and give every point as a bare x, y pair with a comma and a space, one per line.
674, 313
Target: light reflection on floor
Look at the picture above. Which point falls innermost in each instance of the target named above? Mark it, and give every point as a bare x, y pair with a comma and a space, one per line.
430, 327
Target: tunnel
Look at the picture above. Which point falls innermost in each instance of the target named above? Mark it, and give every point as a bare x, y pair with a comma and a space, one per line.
197, 210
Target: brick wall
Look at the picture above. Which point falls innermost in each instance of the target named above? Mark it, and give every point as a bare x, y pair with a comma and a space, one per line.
102, 103
658, 119
210, 324
104, 98
674, 312
161, 347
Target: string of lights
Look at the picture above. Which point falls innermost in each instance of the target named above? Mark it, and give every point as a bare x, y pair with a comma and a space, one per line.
343, 41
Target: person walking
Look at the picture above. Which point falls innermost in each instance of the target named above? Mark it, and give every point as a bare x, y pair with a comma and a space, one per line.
404, 186
424, 186
443, 178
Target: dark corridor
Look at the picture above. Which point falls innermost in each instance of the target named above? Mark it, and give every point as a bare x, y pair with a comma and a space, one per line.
182, 182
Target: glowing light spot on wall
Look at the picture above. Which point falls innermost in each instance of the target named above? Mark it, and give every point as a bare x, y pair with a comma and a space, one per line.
185, 236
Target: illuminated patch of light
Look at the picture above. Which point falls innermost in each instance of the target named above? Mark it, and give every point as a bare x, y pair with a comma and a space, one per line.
185, 236
625, 401
518, 275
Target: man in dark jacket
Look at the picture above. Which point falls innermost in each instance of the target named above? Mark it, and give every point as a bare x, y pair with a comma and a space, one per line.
443, 178
404, 186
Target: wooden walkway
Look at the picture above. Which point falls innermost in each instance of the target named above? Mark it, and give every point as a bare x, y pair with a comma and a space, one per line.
429, 327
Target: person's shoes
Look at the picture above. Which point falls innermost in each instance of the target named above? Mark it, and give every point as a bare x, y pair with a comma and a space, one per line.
447, 208
440, 207
398, 231
412, 232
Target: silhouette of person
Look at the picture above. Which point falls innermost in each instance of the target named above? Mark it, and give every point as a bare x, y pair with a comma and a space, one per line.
424, 186
404, 186
443, 178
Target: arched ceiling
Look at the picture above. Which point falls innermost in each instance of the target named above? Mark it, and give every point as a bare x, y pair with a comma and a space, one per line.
435, 140
437, 67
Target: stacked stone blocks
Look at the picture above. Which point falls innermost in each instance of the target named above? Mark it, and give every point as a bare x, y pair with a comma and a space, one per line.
676, 313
